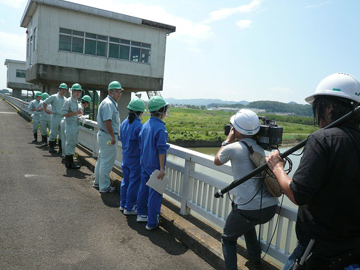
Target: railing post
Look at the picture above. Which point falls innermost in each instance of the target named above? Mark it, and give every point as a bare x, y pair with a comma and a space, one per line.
185, 192
96, 146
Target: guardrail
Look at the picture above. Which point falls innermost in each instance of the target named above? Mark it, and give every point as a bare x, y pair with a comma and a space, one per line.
193, 181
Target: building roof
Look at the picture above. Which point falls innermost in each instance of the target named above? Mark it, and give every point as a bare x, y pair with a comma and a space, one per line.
8, 61
32, 5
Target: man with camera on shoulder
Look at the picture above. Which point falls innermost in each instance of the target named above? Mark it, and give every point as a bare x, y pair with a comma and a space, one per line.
253, 204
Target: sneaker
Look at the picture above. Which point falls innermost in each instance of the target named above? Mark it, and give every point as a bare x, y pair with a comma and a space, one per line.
96, 186
121, 208
141, 218
108, 190
133, 212
151, 228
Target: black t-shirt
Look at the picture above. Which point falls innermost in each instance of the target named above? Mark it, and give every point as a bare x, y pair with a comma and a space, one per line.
326, 186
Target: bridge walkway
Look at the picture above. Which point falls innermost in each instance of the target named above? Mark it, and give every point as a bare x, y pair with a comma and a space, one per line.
52, 217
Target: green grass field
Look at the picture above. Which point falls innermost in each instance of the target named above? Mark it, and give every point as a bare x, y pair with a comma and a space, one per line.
191, 126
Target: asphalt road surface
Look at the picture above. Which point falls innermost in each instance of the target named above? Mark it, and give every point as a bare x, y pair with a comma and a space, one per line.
52, 218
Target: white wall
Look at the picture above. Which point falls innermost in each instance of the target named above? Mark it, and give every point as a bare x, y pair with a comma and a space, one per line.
48, 20
11, 72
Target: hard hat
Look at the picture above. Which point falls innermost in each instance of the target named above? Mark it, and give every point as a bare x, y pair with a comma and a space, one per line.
86, 98
44, 96
245, 122
339, 85
156, 103
136, 105
38, 94
63, 86
115, 85
76, 87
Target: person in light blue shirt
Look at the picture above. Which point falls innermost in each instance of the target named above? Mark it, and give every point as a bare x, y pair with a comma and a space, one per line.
57, 102
109, 125
153, 146
129, 137
71, 111
36, 108
45, 120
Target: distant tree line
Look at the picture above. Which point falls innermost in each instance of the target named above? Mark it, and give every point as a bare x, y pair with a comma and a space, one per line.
272, 107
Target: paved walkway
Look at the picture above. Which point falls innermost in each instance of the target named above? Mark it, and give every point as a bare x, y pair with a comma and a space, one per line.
51, 217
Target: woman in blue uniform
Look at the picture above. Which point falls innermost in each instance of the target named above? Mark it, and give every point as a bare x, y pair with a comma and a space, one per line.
153, 145
129, 135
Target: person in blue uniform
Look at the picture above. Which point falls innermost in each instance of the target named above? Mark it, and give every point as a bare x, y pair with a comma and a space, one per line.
153, 146
57, 102
129, 137
36, 108
71, 111
109, 123
45, 120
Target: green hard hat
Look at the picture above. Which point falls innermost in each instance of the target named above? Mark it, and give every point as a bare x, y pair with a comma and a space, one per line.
136, 105
44, 96
115, 85
63, 86
87, 98
38, 94
76, 87
156, 103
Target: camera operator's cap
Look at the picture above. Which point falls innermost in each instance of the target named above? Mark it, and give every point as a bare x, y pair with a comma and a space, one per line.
339, 85
246, 122
136, 105
156, 103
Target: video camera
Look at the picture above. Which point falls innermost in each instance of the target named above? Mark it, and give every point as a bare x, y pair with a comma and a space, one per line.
269, 136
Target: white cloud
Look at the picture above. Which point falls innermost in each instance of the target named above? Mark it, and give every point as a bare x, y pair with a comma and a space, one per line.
227, 12
243, 23
13, 3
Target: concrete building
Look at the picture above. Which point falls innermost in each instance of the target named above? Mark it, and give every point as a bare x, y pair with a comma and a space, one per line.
68, 42
16, 77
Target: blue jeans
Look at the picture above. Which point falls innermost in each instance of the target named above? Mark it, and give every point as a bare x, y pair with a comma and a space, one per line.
289, 264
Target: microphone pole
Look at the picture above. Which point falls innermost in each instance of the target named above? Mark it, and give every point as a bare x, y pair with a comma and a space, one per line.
235, 183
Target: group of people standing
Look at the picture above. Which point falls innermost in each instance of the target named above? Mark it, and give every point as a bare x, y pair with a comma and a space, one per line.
144, 147
60, 115
325, 186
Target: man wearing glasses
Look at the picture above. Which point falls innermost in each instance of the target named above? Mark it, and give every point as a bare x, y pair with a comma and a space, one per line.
109, 123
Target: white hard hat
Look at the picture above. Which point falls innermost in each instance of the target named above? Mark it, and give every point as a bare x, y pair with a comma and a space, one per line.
338, 84
246, 122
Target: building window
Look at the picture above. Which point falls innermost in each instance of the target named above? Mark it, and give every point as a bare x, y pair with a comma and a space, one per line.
20, 73
99, 45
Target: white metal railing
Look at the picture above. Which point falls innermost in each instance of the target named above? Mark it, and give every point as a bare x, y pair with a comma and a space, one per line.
194, 179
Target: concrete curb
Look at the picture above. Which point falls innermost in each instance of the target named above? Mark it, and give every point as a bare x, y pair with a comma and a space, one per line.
195, 238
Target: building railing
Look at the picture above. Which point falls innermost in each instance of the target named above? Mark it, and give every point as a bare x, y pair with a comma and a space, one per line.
194, 179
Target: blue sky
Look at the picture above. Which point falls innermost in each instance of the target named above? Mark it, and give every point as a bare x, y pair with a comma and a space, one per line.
233, 50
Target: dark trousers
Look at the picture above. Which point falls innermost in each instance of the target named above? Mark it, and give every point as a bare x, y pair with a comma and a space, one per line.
243, 222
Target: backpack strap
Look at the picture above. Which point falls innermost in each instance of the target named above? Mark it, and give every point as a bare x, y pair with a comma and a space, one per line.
251, 150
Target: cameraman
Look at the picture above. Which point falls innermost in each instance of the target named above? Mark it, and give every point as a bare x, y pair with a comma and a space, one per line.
253, 205
326, 184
